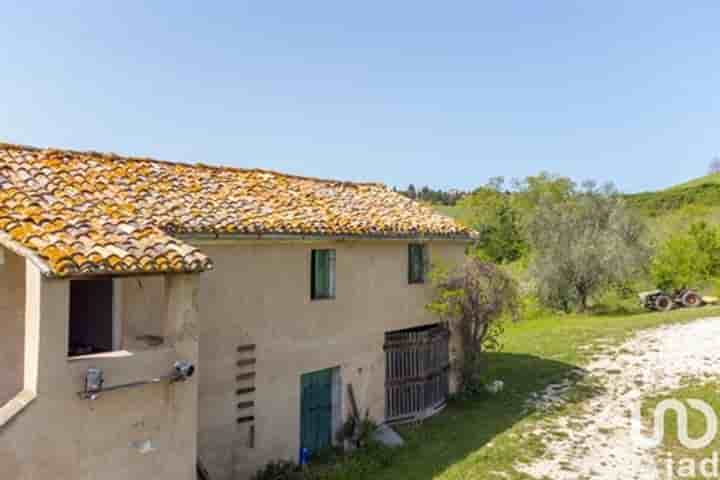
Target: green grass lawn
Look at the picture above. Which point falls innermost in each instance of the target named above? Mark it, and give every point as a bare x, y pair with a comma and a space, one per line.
481, 438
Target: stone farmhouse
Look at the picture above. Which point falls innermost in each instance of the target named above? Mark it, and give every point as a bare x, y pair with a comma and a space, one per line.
157, 314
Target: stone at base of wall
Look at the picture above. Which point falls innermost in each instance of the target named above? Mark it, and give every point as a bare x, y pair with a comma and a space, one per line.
388, 437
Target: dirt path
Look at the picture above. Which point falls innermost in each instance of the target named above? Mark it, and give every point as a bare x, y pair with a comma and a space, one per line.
598, 444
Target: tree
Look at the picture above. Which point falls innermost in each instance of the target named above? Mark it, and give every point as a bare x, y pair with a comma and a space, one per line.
490, 212
411, 191
474, 297
584, 244
435, 197
544, 187
686, 260
714, 166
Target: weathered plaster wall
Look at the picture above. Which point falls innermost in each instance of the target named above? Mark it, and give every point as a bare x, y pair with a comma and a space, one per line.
142, 309
146, 432
12, 325
260, 294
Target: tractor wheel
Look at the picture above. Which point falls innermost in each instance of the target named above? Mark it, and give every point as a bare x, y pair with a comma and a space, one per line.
691, 299
663, 303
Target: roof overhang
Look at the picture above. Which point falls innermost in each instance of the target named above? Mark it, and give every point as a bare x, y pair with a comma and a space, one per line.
247, 237
7, 242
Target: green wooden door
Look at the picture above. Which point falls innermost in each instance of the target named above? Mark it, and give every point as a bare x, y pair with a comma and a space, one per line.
316, 410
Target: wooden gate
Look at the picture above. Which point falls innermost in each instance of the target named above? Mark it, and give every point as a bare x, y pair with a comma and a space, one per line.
417, 372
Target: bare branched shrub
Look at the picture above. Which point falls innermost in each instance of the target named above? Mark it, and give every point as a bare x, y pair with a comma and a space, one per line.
474, 298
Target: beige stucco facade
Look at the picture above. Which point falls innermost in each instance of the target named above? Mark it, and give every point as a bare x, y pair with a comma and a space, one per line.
257, 298
47, 431
259, 294
12, 325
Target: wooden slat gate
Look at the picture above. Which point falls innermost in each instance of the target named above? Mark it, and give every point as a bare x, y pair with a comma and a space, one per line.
417, 372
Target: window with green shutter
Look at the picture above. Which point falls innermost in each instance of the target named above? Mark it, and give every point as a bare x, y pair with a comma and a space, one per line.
416, 263
322, 274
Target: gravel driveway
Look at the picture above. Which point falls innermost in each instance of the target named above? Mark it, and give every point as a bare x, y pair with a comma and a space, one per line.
596, 442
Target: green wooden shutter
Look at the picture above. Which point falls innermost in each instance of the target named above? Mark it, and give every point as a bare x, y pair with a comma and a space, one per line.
411, 267
416, 263
331, 273
323, 274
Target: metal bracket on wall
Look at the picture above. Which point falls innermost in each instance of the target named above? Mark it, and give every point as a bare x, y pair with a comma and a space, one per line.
95, 381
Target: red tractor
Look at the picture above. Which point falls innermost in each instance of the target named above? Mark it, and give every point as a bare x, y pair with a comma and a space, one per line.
663, 301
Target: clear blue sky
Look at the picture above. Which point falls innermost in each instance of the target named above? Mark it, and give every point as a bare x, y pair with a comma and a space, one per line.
440, 93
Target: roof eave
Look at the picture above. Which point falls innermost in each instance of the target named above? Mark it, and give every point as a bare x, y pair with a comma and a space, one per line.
321, 237
45, 270
15, 247
123, 274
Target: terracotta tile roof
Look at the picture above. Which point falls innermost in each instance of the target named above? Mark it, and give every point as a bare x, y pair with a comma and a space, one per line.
90, 213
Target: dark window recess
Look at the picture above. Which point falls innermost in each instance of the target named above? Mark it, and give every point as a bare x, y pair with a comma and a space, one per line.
416, 263
91, 317
417, 372
322, 274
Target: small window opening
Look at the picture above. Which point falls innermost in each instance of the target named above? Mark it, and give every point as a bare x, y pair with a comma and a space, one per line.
91, 317
322, 274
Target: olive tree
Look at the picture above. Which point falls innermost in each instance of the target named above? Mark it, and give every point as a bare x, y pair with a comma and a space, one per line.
474, 297
584, 244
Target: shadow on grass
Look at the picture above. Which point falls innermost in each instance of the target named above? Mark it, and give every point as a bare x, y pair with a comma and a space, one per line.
603, 310
453, 438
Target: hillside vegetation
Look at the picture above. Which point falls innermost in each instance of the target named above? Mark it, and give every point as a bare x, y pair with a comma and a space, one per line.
679, 227
702, 195
665, 211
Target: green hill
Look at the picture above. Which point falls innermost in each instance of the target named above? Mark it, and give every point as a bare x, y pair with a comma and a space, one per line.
713, 179
702, 193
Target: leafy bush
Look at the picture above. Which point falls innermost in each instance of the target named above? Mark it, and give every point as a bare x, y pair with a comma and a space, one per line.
334, 465
687, 260
707, 239
531, 307
363, 462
